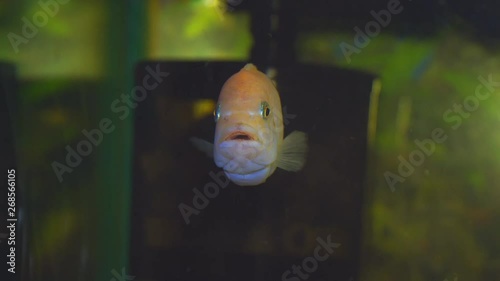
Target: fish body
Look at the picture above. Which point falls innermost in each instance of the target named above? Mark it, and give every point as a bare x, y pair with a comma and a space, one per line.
249, 143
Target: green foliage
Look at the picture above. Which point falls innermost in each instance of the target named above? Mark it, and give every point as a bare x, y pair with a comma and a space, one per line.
429, 225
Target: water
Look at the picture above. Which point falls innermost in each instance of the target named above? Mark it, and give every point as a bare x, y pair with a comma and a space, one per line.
399, 100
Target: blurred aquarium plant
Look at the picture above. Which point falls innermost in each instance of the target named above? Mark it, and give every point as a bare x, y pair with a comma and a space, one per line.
443, 217
203, 29
70, 70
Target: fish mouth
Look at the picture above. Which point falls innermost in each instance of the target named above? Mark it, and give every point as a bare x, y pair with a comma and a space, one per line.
239, 136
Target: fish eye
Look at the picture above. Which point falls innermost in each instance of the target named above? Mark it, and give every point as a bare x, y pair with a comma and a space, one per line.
217, 112
265, 110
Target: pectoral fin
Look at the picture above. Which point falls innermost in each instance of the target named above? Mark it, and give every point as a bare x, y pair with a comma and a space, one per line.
294, 152
203, 146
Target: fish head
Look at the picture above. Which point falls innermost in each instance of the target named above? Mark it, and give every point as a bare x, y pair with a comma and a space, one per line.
249, 131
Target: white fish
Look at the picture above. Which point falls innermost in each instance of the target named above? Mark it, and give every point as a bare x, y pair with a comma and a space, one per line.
249, 143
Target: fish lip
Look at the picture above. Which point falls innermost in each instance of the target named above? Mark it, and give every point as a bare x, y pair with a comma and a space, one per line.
239, 136
246, 172
249, 178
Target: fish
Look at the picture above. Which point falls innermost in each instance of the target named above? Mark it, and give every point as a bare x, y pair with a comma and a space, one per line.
248, 142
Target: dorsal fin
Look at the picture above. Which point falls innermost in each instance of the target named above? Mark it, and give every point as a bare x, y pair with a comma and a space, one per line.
250, 66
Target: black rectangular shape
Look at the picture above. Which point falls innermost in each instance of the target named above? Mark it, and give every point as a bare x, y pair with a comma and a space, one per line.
248, 233
10, 238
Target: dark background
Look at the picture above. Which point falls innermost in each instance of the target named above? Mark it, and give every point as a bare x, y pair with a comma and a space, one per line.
249, 233
257, 233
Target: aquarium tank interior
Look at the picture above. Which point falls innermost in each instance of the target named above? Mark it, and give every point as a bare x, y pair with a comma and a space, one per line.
250, 140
